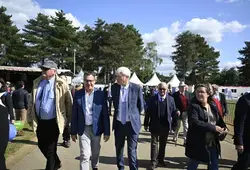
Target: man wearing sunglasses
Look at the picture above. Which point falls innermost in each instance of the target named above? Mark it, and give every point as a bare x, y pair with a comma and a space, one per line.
49, 111
160, 117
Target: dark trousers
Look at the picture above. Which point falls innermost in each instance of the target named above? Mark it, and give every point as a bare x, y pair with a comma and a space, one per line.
66, 135
158, 154
121, 133
243, 161
47, 135
3, 146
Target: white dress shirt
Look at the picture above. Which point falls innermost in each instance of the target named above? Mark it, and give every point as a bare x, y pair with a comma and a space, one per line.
89, 108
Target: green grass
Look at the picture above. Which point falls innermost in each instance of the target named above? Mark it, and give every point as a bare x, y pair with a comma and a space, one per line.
19, 141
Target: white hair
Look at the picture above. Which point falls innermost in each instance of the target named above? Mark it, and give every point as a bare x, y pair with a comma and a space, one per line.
163, 84
123, 70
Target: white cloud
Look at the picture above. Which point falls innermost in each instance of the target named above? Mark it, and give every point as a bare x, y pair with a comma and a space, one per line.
22, 10
229, 64
212, 29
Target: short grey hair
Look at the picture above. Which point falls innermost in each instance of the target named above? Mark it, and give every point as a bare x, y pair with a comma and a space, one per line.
163, 84
123, 70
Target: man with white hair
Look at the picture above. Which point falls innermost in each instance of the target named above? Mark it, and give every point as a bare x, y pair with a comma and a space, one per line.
128, 103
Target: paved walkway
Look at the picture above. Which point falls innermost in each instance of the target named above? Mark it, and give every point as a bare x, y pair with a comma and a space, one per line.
175, 157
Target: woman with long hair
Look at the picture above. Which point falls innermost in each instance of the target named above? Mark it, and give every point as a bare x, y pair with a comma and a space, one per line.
206, 129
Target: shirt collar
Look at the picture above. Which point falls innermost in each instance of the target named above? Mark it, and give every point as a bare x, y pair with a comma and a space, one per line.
159, 97
52, 80
125, 87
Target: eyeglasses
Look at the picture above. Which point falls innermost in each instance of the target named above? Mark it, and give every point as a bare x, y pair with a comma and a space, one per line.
88, 81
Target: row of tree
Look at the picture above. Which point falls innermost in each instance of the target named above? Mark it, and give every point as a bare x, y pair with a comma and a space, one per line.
104, 47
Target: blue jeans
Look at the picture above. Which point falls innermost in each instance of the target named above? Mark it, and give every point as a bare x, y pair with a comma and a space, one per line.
193, 164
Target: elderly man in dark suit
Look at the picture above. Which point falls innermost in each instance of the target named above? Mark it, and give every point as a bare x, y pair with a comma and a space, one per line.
242, 132
128, 103
160, 115
90, 119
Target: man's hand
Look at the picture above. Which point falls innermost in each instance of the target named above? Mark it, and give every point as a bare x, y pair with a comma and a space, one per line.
146, 128
219, 129
178, 113
105, 138
74, 138
239, 148
12, 121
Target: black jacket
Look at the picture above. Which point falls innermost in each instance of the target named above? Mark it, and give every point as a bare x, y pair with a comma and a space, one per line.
20, 99
223, 103
7, 101
152, 118
242, 122
4, 134
196, 146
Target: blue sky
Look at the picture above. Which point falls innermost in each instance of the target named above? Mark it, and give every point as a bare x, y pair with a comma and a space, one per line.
224, 23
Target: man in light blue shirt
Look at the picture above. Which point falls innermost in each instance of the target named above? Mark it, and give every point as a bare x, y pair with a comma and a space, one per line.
49, 111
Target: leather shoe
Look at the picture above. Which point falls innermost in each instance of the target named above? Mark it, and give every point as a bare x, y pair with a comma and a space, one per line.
58, 166
66, 144
95, 168
162, 163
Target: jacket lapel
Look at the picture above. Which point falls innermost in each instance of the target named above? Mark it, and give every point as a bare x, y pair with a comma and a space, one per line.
83, 102
129, 94
95, 98
118, 94
36, 84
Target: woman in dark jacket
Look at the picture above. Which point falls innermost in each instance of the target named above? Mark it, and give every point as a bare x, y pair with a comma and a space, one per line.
6, 100
205, 129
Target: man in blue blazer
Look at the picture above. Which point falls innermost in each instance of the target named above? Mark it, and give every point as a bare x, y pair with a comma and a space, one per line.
128, 104
90, 119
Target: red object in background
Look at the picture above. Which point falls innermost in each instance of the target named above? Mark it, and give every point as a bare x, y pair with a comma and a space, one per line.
218, 105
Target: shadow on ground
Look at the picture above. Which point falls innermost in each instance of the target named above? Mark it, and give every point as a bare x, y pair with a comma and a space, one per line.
24, 141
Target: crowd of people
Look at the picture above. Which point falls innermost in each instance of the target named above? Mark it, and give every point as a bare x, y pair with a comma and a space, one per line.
84, 115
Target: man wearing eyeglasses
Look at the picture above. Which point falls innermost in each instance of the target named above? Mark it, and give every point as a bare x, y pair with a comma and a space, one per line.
49, 111
90, 119
160, 117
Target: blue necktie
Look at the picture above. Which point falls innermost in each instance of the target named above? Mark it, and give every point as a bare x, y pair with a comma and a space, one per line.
124, 107
44, 94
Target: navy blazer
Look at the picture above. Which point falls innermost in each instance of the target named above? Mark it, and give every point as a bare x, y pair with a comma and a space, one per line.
101, 122
135, 105
152, 113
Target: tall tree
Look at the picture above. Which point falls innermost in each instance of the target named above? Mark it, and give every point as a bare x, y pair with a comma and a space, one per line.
10, 41
184, 55
36, 34
244, 70
194, 59
63, 37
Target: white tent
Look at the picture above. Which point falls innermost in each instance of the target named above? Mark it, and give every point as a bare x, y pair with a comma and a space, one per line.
174, 81
78, 79
135, 79
154, 81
